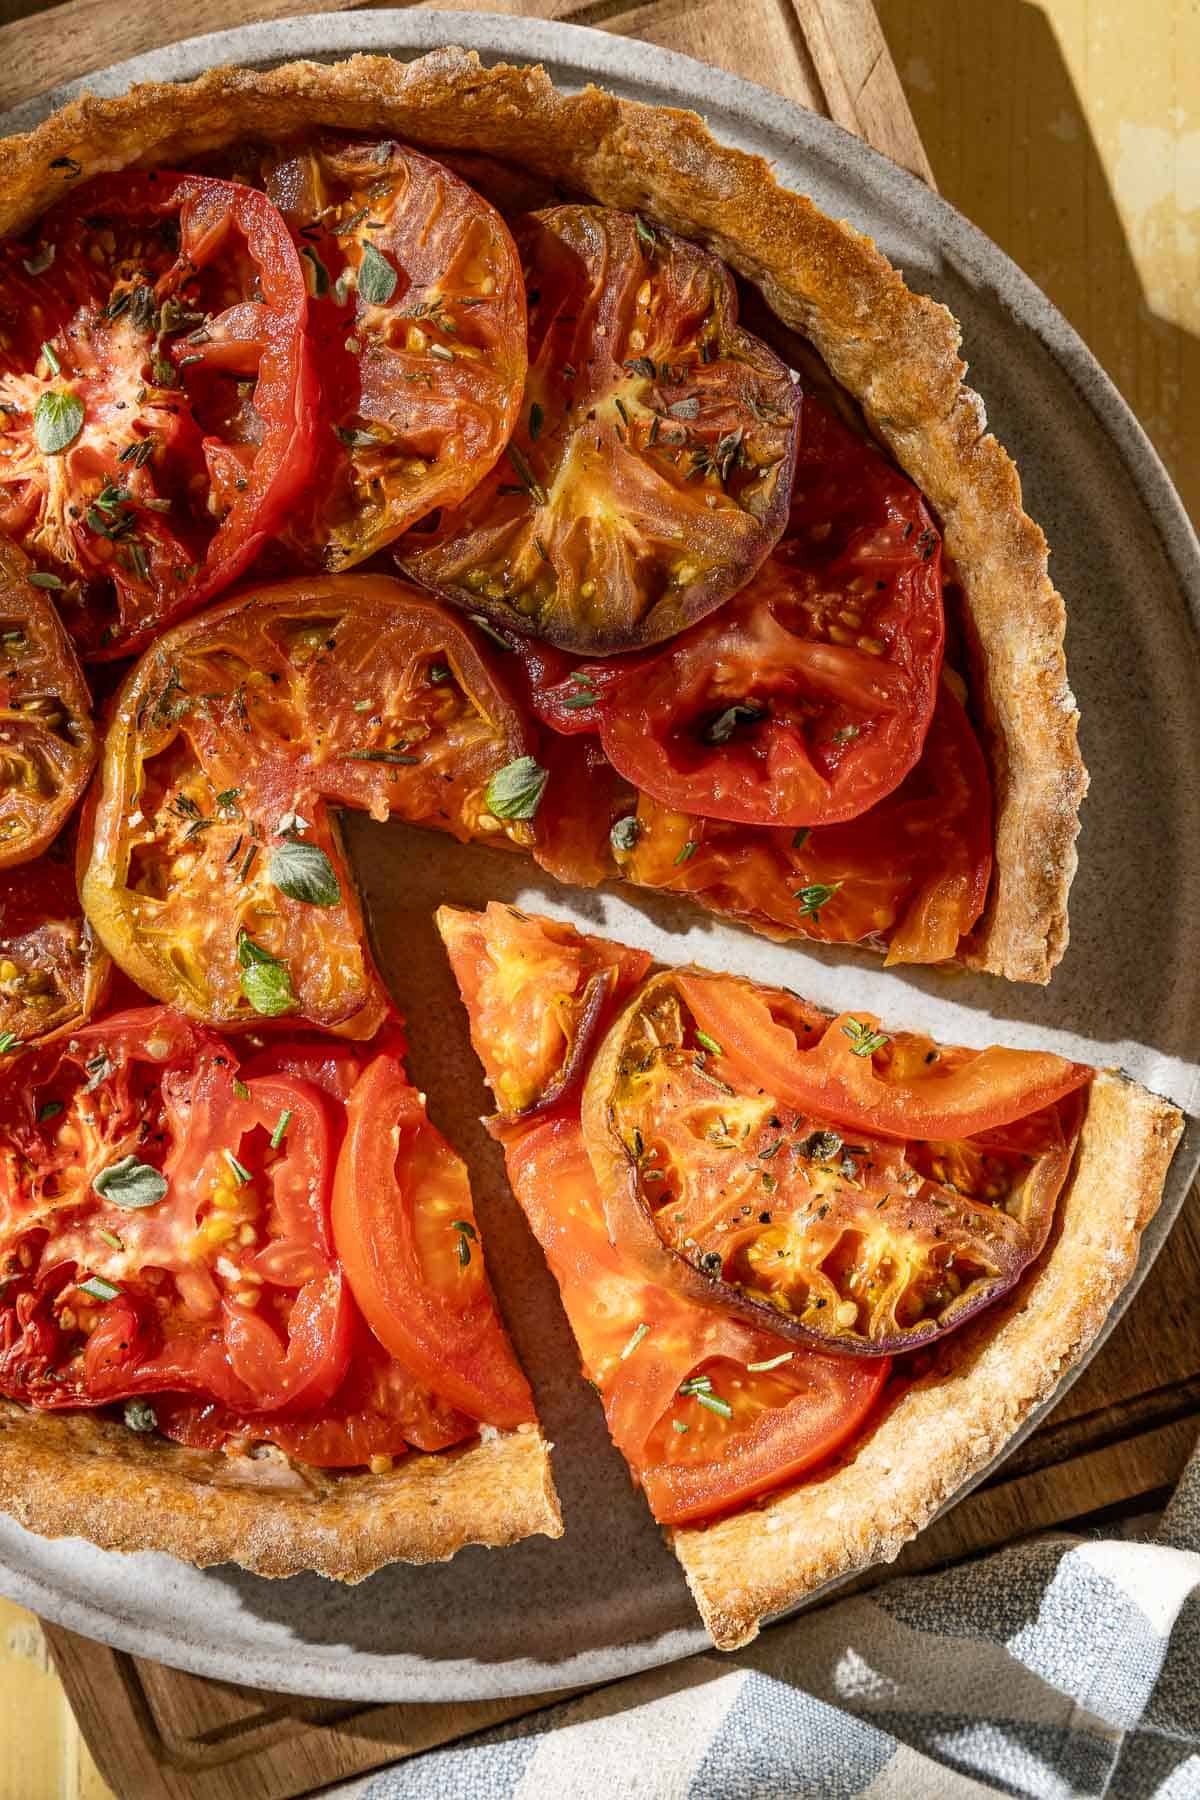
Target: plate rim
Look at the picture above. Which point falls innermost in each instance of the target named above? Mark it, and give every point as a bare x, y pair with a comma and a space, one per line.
684, 80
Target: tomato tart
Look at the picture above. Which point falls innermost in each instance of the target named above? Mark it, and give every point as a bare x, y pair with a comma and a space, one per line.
416, 440
818, 1270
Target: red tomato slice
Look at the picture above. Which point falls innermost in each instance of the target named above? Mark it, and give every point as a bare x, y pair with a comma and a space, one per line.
418, 317
350, 690
202, 1261
702, 1428
900, 1085
404, 1227
650, 469
806, 698
167, 335
911, 875
331, 1064
379, 1410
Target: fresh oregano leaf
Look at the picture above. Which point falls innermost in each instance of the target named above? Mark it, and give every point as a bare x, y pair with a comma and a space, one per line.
131, 1184
304, 872
376, 277
515, 791
265, 981
57, 421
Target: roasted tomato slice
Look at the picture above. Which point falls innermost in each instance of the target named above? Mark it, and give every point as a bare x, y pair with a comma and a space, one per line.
713, 1180
901, 1085
53, 971
329, 1063
404, 1227
47, 740
159, 401
380, 1410
539, 995
806, 699
417, 316
584, 796
708, 1410
164, 1225
650, 471
911, 875
216, 877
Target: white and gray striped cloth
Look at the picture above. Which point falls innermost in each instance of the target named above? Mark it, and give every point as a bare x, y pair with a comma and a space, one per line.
1062, 1668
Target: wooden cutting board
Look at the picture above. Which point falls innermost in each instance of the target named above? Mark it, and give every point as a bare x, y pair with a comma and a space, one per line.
1120, 1437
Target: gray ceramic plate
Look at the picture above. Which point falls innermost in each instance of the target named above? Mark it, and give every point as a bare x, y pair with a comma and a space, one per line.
607, 1599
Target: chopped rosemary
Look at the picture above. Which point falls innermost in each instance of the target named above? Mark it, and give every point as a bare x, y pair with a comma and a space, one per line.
241, 1173
814, 897
715, 1404
863, 1040
99, 1289
525, 474
489, 631
396, 755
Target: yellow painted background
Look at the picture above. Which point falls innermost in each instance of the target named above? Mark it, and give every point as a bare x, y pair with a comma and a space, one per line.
1070, 131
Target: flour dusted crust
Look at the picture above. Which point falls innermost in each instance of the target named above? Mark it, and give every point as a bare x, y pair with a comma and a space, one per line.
895, 351
76, 1475
952, 1421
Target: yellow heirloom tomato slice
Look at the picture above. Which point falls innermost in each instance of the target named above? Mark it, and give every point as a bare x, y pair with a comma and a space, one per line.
215, 875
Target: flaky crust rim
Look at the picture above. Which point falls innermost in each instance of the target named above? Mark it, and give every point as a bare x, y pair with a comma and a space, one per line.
951, 1422
77, 1475
895, 351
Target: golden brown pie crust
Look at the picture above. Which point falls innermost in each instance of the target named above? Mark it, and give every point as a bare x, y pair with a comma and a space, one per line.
77, 1475
895, 351
952, 1421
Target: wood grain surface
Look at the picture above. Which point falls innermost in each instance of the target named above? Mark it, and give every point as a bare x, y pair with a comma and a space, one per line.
827, 54
1075, 154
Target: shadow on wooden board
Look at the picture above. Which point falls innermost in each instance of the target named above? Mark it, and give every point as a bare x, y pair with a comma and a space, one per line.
1011, 146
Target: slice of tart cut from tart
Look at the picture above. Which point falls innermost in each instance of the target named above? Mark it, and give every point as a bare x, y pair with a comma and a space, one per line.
244, 1314
819, 1270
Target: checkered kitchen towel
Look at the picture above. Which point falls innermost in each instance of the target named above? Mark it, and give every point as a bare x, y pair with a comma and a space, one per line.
1059, 1669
